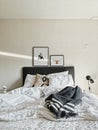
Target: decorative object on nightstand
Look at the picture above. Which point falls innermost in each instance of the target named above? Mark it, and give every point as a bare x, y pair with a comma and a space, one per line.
90, 81
4, 89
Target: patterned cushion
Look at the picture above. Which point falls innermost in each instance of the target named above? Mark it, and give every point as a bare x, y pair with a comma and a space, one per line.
41, 80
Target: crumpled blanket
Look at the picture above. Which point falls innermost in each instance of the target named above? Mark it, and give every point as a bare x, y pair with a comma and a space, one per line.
62, 103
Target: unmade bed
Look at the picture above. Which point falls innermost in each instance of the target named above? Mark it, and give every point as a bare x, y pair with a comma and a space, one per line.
24, 108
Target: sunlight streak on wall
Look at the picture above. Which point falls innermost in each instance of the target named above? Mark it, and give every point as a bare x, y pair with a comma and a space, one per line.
15, 55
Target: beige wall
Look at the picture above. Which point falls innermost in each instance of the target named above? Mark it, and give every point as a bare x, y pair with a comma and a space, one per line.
49, 9
76, 39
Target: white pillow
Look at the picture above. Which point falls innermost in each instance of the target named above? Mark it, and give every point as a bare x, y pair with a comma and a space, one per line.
29, 80
70, 81
59, 73
61, 81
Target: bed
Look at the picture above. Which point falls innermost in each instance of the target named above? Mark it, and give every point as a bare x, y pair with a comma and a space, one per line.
24, 108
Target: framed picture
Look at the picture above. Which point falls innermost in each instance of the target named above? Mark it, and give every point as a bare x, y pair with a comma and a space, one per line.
56, 60
40, 56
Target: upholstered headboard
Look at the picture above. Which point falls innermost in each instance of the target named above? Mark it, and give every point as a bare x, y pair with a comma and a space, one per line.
47, 70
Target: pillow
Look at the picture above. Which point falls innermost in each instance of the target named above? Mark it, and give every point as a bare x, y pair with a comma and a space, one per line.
70, 81
41, 80
59, 73
55, 79
29, 80
61, 81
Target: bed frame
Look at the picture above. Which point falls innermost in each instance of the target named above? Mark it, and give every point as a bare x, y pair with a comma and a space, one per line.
47, 70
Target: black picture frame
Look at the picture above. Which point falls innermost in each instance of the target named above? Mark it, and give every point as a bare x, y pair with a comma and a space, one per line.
40, 56
56, 60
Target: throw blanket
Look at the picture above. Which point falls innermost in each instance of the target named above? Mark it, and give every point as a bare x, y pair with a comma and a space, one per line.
62, 103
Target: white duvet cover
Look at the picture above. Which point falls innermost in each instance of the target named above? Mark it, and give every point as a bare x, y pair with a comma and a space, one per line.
23, 109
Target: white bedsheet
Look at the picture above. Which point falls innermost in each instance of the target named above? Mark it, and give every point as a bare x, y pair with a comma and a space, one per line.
23, 109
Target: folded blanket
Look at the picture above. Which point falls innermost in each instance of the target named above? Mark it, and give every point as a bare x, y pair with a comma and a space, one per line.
62, 103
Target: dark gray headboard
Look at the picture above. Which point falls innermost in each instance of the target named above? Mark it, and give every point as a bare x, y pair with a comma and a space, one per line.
47, 70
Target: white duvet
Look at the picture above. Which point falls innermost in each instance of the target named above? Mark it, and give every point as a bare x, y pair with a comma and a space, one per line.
24, 104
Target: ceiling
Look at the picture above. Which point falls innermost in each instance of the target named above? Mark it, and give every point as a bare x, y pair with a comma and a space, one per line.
48, 9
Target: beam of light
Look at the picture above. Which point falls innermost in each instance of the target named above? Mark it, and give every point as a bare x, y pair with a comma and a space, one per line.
15, 55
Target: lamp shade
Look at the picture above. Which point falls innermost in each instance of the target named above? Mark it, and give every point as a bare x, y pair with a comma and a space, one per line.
91, 81
88, 77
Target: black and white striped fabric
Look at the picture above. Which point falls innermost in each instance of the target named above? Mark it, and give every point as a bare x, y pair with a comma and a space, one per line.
62, 103
59, 109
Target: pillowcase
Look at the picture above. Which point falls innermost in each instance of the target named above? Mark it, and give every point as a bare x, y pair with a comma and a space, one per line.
58, 74
41, 80
29, 80
70, 81
61, 81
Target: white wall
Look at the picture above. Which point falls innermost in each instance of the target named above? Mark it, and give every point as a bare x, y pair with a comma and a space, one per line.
48, 9
76, 39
